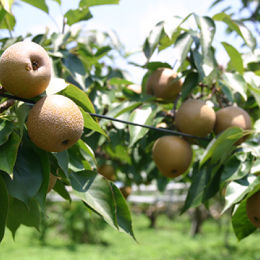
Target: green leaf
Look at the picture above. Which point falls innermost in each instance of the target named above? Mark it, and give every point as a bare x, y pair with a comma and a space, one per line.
104, 198
90, 3
90, 123
45, 166
242, 226
7, 20
61, 190
27, 173
63, 161
236, 83
78, 15
143, 115
236, 192
39, 4
3, 206
182, 46
220, 148
253, 83
6, 128
205, 182
238, 27
8, 153
207, 32
119, 81
190, 82
77, 162
152, 41
7, 4
236, 61
79, 97
123, 214
25, 214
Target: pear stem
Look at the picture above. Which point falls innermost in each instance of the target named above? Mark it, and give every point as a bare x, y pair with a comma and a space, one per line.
169, 131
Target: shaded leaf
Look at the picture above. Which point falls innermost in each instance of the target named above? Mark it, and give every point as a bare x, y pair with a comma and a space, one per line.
104, 198
219, 149
242, 226
8, 153
27, 173
6, 128
20, 213
190, 82
3, 206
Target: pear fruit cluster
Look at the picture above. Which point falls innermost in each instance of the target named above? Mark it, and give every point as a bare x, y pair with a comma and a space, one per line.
173, 155
55, 122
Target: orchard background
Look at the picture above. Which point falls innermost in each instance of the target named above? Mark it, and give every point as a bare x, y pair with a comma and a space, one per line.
220, 179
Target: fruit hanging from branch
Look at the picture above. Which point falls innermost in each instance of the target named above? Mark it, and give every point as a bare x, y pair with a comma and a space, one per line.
164, 83
25, 69
172, 155
55, 123
195, 117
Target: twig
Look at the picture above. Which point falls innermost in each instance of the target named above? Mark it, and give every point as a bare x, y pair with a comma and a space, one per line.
6, 104
118, 120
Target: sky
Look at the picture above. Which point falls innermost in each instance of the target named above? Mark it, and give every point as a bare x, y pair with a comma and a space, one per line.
132, 20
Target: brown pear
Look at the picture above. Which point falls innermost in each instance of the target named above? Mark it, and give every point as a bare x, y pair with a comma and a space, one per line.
172, 155
164, 84
25, 69
232, 116
55, 123
195, 117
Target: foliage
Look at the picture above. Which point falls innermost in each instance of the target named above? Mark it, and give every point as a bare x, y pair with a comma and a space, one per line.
171, 240
84, 71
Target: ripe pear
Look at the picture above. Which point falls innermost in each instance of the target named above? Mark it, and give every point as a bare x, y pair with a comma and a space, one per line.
55, 123
253, 209
172, 155
163, 83
107, 171
25, 69
232, 116
195, 117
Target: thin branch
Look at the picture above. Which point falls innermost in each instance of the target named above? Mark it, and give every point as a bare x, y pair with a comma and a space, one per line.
118, 120
6, 104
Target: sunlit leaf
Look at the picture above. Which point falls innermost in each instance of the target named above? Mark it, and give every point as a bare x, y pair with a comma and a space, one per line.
41, 4
98, 2
78, 15
236, 61
182, 46
236, 83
